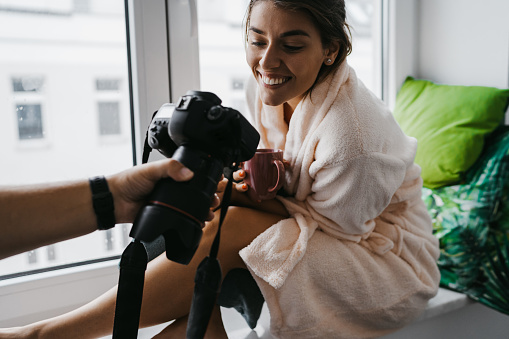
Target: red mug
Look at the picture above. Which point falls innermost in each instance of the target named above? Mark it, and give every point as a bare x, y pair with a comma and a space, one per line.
265, 174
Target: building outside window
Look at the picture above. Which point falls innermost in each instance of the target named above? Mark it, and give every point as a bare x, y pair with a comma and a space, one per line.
27, 92
63, 76
29, 117
109, 118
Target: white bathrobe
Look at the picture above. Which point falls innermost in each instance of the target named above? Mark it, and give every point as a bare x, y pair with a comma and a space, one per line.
357, 258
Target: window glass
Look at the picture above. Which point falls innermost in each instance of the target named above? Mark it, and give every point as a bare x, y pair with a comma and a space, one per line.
27, 84
65, 110
223, 67
29, 118
107, 84
109, 118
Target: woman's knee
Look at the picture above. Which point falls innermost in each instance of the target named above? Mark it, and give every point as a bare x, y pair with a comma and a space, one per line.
241, 226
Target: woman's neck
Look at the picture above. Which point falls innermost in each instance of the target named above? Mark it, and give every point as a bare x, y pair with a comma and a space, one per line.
289, 107
288, 112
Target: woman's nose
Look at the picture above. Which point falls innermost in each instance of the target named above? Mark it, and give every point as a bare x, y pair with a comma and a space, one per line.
270, 57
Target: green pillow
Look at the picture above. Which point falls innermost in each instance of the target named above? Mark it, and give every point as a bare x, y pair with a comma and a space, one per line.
449, 123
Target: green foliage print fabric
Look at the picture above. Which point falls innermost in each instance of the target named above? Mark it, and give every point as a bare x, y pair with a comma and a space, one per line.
471, 221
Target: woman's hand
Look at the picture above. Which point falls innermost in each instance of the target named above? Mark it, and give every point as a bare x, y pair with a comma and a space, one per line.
239, 198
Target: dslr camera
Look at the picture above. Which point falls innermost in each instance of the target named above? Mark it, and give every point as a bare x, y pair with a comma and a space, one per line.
207, 138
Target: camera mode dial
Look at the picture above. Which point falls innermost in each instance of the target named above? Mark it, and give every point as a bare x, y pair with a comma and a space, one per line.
215, 113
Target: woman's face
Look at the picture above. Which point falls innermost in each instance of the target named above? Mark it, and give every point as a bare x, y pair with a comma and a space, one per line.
284, 52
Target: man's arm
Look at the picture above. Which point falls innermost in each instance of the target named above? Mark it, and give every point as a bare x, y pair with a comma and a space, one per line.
38, 215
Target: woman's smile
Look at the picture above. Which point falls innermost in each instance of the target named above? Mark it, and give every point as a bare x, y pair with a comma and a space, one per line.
273, 81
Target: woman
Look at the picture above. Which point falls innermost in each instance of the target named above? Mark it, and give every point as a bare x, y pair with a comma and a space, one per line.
350, 252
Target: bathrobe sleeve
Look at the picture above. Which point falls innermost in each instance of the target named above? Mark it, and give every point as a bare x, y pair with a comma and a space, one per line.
343, 200
348, 195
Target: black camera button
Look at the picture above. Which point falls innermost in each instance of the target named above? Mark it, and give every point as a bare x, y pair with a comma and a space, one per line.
214, 113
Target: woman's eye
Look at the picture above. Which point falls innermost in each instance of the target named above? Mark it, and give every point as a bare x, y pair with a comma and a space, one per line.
293, 48
257, 43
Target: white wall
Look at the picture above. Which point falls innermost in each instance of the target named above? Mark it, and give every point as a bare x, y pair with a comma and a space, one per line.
464, 42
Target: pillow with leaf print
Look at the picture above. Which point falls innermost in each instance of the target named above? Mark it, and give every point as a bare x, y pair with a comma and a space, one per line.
449, 123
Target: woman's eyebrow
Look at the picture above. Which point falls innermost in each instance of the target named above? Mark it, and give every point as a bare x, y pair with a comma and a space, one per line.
256, 30
294, 32
283, 35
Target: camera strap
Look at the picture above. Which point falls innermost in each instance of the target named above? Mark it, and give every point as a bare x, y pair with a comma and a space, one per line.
208, 276
133, 265
130, 291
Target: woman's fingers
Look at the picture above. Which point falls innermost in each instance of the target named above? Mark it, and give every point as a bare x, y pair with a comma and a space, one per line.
239, 175
241, 187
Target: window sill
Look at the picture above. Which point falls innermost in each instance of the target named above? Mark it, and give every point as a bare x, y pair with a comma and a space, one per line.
39, 296
32, 298
448, 315
443, 317
446, 301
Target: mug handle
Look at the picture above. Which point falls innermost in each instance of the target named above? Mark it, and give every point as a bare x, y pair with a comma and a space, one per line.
280, 173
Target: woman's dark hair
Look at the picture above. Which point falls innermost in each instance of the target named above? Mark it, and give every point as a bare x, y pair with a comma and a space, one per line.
329, 16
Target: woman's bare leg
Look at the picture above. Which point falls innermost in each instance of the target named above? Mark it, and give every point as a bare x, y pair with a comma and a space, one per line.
168, 286
177, 329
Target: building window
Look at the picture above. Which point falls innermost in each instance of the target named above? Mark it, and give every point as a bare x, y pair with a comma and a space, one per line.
237, 84
108, 105
51, 251
81, 6
107, 84
27, 84
27, 94
29, 119
32, 257
109, 240
109, 118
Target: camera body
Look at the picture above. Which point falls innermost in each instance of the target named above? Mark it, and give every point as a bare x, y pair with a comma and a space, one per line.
206, 137
199, 120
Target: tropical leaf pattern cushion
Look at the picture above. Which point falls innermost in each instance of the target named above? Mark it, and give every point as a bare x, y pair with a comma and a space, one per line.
471, 221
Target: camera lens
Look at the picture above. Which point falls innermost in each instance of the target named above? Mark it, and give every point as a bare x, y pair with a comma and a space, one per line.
215, 113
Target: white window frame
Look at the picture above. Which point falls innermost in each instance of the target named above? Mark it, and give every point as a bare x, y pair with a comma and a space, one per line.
31, 298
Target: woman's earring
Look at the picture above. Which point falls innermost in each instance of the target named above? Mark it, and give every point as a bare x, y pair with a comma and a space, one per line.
329, 61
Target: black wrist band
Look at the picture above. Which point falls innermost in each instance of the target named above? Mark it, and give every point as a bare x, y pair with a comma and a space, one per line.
102, 201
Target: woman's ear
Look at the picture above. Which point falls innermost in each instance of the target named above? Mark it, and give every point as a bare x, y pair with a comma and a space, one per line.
331, 53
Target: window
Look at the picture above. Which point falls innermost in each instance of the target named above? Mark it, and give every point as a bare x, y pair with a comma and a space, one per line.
109, 118
65, 67
69, 57
107, 84
29, 121
109, 96
27, 92
27, 84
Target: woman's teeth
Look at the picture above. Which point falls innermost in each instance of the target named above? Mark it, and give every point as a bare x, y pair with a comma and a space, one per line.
273, 81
